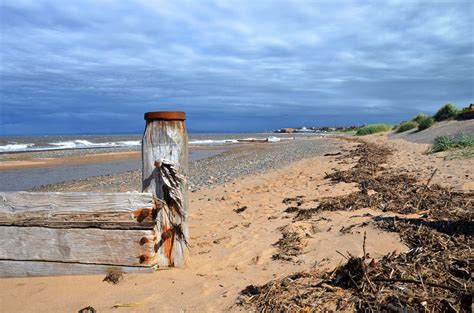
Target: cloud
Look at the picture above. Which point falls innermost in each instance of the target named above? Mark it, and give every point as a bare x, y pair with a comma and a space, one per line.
232, 65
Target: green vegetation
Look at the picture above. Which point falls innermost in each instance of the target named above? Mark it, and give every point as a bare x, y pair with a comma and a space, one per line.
466, 109
444, 143
425, 123
372, 129
407, 126
419, 117
446, 112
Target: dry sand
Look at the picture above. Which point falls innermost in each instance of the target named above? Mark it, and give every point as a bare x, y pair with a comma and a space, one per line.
231, 250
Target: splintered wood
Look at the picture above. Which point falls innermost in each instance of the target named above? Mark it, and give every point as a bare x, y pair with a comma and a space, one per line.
165, 159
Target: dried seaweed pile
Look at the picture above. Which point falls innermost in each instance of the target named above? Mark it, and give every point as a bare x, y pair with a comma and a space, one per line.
398, 193
433, 276
371, 160
387, 190
423, 279
290, 245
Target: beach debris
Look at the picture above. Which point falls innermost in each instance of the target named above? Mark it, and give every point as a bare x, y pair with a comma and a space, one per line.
172, 182
291, 209
333, 154
298, 200
290, 245
87, 309
127, 305
240, 210
114, 276
389, 190
426, 278
348, 229
434, 275
220, 239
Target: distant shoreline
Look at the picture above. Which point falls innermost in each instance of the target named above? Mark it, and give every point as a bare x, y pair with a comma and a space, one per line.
69, 160
25, 174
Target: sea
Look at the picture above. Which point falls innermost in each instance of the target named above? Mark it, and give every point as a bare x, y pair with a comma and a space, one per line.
51, 145
14, 144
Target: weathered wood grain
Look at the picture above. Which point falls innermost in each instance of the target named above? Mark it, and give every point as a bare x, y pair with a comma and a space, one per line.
76, 210
89, 246
39, 268
167, 140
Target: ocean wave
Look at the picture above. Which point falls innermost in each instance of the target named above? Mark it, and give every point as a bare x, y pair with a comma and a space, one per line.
84, 144
70, 144
16, 147
80, 144
212, 142
232, 141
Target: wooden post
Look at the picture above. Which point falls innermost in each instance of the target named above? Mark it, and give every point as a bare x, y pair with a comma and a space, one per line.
164, 150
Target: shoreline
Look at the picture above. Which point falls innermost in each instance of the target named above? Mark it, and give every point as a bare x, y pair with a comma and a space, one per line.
27, 160
69, 160
17, 175
231, 163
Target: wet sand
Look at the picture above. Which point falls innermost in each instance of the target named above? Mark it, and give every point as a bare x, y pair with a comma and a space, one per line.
69, 160
17, 175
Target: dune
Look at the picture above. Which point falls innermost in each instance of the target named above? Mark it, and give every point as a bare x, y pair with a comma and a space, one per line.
438, 129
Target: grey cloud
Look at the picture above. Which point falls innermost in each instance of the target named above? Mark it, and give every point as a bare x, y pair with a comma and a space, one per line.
246, 65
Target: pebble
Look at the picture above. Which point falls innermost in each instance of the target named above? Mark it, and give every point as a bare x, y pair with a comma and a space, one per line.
216, 170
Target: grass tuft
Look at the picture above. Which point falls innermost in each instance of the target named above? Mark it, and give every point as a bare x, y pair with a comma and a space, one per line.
419, 117
425, 123
407, 126
446, 112
446, 143
372, 129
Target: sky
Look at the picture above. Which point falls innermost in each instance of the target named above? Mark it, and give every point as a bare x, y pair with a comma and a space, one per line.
82, 66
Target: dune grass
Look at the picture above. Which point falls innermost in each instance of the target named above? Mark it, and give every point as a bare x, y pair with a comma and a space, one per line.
407, 126
447, 143
419, 117
372, 129
446, 112
425, 123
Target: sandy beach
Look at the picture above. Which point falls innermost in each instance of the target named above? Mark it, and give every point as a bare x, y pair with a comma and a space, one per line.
238, 222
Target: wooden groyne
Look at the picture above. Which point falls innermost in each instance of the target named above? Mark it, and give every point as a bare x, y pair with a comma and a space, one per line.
70, 233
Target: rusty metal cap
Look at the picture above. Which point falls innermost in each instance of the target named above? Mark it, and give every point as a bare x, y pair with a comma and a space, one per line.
165, 115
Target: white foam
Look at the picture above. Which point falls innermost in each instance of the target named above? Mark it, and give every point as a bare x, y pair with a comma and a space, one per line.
69, 144
12, 147
81, 144
232, 141
212, 142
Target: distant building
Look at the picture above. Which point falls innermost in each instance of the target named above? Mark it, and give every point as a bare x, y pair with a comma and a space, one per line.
304, 130
285, 130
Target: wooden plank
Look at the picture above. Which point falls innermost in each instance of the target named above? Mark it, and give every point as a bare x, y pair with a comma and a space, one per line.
38, 268
96, 246
167, 139
77, 210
